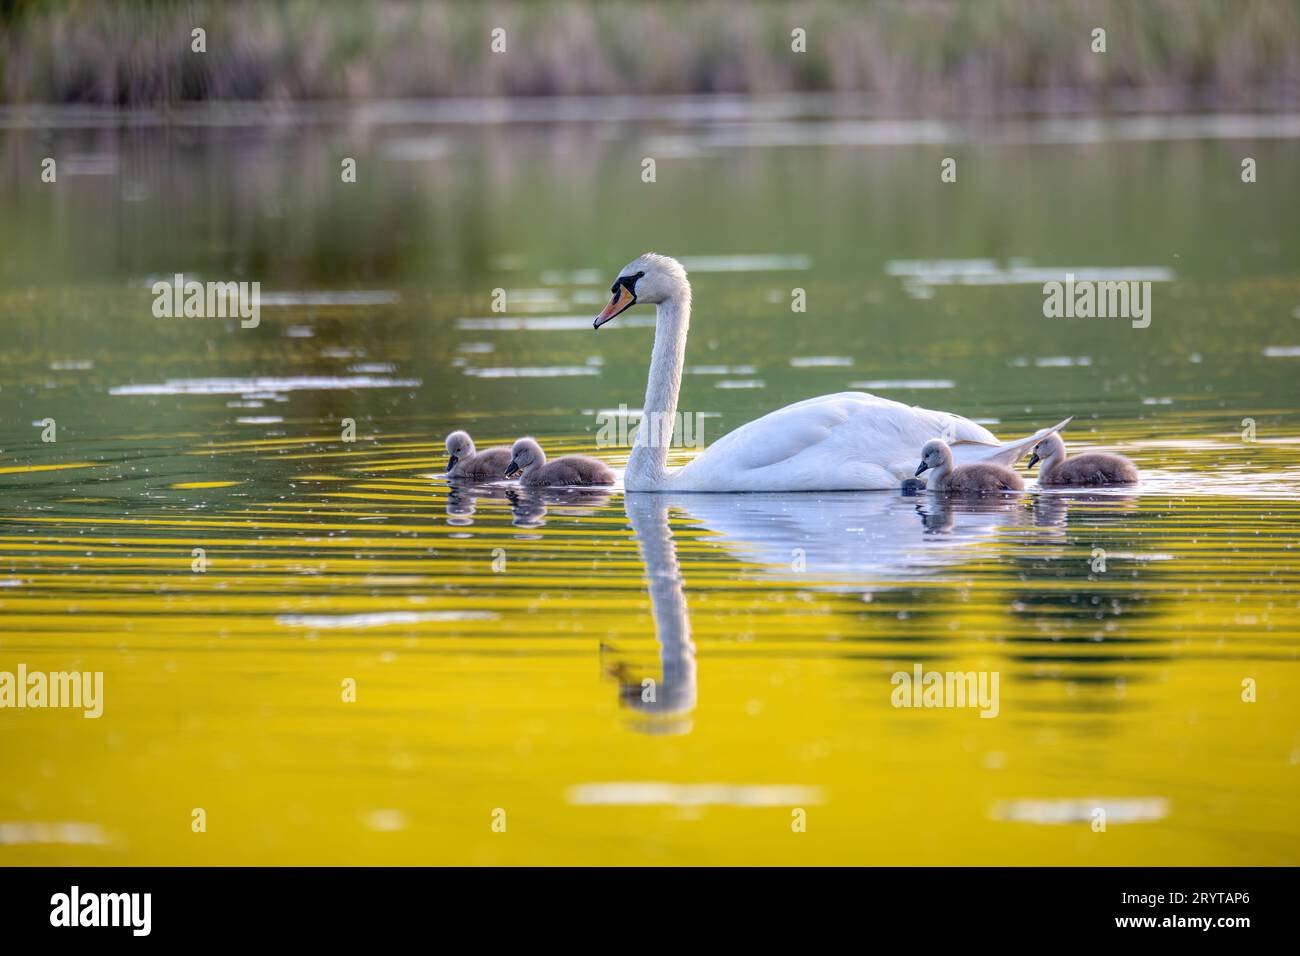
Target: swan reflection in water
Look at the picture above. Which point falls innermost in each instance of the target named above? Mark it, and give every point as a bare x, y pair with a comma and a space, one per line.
851, 541
528, 506
665, 703
1050, 508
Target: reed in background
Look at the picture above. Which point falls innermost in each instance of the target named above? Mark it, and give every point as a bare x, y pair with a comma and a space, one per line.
921, 53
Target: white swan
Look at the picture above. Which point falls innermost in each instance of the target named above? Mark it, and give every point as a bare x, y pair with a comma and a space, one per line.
842, 442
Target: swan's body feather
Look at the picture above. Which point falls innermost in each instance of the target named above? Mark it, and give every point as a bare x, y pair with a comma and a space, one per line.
841, 442
570, 472
980, 478
1095, 468
486, 465
848, 441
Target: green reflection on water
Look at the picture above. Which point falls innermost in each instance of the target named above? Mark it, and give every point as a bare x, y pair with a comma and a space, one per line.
482, 689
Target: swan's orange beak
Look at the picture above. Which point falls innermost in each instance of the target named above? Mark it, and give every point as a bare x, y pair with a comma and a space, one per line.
621, 300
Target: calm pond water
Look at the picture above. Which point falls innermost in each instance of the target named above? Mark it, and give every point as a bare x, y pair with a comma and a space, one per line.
498, 638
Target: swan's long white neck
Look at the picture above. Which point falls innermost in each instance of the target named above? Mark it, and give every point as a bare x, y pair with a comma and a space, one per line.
647, 465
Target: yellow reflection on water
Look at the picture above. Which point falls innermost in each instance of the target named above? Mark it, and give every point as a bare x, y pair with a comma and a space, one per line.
654, 679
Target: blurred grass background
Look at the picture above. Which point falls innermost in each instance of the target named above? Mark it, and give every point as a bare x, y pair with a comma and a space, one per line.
918, 54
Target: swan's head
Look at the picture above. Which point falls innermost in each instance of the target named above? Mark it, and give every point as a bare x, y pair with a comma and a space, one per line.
650, 278
1047, 448
524, 454
459, 445
934, 453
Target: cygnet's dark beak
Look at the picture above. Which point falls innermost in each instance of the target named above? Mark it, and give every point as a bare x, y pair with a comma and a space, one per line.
512, 469
1033, 460
922, 466
452, 462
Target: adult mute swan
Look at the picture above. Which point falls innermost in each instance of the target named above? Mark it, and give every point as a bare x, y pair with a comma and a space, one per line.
841, 442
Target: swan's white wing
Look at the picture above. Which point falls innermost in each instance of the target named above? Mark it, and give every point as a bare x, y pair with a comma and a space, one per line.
1006, 454
844, 535
782, 434
849, 440
877, 424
